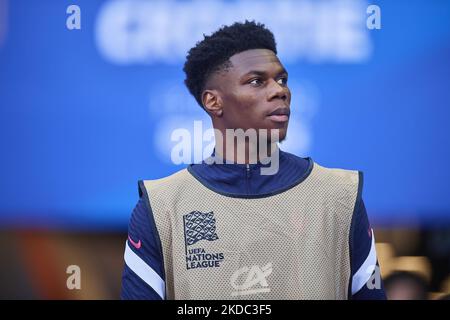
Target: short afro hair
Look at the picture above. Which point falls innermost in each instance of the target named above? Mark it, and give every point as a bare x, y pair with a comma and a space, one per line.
212, 54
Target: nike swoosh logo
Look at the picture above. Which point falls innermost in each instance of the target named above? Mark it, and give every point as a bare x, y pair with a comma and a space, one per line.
137, 245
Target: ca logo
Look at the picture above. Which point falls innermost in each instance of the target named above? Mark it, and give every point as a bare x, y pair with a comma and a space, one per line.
255, 282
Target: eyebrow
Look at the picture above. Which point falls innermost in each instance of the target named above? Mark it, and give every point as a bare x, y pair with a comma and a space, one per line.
263, 73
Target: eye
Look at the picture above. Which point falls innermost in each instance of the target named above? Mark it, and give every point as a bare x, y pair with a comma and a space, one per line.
282, 81
255, 82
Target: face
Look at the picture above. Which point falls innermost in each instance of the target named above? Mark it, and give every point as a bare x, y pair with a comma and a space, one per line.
253, 93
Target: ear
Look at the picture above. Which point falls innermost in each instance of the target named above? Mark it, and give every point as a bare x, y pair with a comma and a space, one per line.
212, 102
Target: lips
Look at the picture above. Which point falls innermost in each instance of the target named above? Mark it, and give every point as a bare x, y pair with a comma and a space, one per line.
280, 114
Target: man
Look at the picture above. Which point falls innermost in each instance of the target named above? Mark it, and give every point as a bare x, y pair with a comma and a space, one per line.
228, 231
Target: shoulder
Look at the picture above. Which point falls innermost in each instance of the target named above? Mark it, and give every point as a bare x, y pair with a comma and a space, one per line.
321, 173
164, 184
341, 183
338, 175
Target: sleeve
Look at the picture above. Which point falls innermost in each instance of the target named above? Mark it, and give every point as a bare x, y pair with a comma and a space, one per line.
143, 274
365, 282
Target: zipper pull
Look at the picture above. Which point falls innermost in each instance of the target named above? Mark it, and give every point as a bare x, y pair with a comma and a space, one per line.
248, 170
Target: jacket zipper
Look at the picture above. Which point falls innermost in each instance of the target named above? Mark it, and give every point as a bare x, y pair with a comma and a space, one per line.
248, 178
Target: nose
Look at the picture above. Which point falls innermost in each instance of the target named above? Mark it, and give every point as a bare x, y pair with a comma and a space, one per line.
278, 91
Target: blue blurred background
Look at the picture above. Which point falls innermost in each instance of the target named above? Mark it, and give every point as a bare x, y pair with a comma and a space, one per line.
86, 113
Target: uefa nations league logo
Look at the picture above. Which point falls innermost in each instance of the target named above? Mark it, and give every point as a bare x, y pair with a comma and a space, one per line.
200, 226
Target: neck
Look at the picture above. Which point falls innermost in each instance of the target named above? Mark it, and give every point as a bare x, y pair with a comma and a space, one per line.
242, 151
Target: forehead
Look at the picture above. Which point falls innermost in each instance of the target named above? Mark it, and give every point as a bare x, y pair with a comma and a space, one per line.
255, 59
